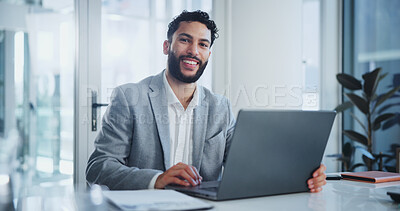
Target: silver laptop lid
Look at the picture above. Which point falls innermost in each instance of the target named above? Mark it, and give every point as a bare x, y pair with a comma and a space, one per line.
274, 152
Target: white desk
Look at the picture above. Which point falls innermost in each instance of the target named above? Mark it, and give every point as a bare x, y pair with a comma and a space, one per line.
336, 195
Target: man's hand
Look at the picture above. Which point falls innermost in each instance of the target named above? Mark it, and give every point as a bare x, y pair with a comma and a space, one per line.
319, 179
181, 174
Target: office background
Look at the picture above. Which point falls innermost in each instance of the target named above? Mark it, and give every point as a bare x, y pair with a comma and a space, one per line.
56, 54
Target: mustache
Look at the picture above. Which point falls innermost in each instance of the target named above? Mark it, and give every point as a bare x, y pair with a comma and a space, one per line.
190, 57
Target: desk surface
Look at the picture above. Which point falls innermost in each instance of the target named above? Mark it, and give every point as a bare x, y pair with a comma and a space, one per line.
336, 195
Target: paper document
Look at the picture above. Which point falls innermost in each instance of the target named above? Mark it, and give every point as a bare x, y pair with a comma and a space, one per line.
154, 200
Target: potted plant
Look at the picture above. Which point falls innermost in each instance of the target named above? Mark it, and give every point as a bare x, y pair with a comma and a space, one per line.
367, 102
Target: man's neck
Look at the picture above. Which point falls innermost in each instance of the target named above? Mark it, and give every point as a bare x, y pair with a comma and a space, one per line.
183, 91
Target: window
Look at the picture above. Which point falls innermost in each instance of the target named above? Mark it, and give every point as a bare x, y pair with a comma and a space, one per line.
311, 54
132, 36
371, 39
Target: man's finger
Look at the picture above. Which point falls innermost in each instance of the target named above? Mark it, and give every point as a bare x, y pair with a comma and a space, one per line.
183, 174
319, 171
175, 180
199, 178
190, 171
179, 165
315, 180
166, 179
320, 178
316, 190
319, 183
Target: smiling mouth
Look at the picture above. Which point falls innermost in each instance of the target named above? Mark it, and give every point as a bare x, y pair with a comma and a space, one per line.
190, 63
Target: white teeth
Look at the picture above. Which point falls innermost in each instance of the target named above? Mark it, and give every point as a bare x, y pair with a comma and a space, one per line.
190, 62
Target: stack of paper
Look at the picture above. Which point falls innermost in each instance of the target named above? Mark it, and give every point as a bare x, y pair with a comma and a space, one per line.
154, 200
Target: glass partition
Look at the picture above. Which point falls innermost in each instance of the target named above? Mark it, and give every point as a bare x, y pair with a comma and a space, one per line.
37, 48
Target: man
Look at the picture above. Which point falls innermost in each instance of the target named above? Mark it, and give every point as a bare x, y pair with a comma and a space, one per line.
166, 129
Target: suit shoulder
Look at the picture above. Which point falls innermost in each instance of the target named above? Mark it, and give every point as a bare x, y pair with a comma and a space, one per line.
215, 99
143, 83
132, 92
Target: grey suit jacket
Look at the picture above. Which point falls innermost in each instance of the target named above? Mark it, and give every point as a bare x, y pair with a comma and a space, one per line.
133, 143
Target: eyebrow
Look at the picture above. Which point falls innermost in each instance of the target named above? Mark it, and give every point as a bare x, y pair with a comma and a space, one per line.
191, 37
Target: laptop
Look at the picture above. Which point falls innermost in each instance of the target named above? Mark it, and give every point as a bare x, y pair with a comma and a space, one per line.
272, 152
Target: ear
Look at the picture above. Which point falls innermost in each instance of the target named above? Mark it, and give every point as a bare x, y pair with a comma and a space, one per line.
166, 47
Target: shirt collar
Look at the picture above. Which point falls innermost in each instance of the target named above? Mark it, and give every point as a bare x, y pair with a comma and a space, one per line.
171, 97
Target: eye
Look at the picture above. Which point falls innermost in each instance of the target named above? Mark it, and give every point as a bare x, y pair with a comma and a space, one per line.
203, 45
184, 40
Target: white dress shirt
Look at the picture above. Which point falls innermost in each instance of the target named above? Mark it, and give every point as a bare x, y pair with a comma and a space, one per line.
180, 128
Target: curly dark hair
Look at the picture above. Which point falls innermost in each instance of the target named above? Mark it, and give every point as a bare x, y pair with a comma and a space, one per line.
197, 15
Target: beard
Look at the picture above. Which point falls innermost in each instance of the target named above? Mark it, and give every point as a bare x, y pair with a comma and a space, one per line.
175, 68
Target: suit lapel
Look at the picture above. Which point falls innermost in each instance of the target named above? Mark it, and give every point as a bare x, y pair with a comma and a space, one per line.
158, 101
200, 116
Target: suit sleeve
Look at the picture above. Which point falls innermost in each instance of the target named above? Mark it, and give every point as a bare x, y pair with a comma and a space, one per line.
229, 132
108, 163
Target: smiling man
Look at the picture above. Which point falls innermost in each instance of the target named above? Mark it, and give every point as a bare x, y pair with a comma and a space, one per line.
166, 129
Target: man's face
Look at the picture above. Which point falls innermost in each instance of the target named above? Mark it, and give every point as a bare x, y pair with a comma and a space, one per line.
188, 51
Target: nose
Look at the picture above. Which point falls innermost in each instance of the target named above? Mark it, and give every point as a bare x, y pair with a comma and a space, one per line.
193, 50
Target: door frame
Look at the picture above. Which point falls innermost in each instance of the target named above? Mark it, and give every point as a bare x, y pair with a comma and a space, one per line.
87, 79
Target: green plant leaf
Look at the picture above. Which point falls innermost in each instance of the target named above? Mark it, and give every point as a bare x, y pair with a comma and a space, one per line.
366, 160
344, 106
388, 106
377, 123
371, 82
389, 159
344, 159
348, 150
377, 156
391, 122
358, 101
386, 96
382, 76
334, 156
348, 81
353, 135
376, 127
365, 152
374, 97
356, 166
359, 122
